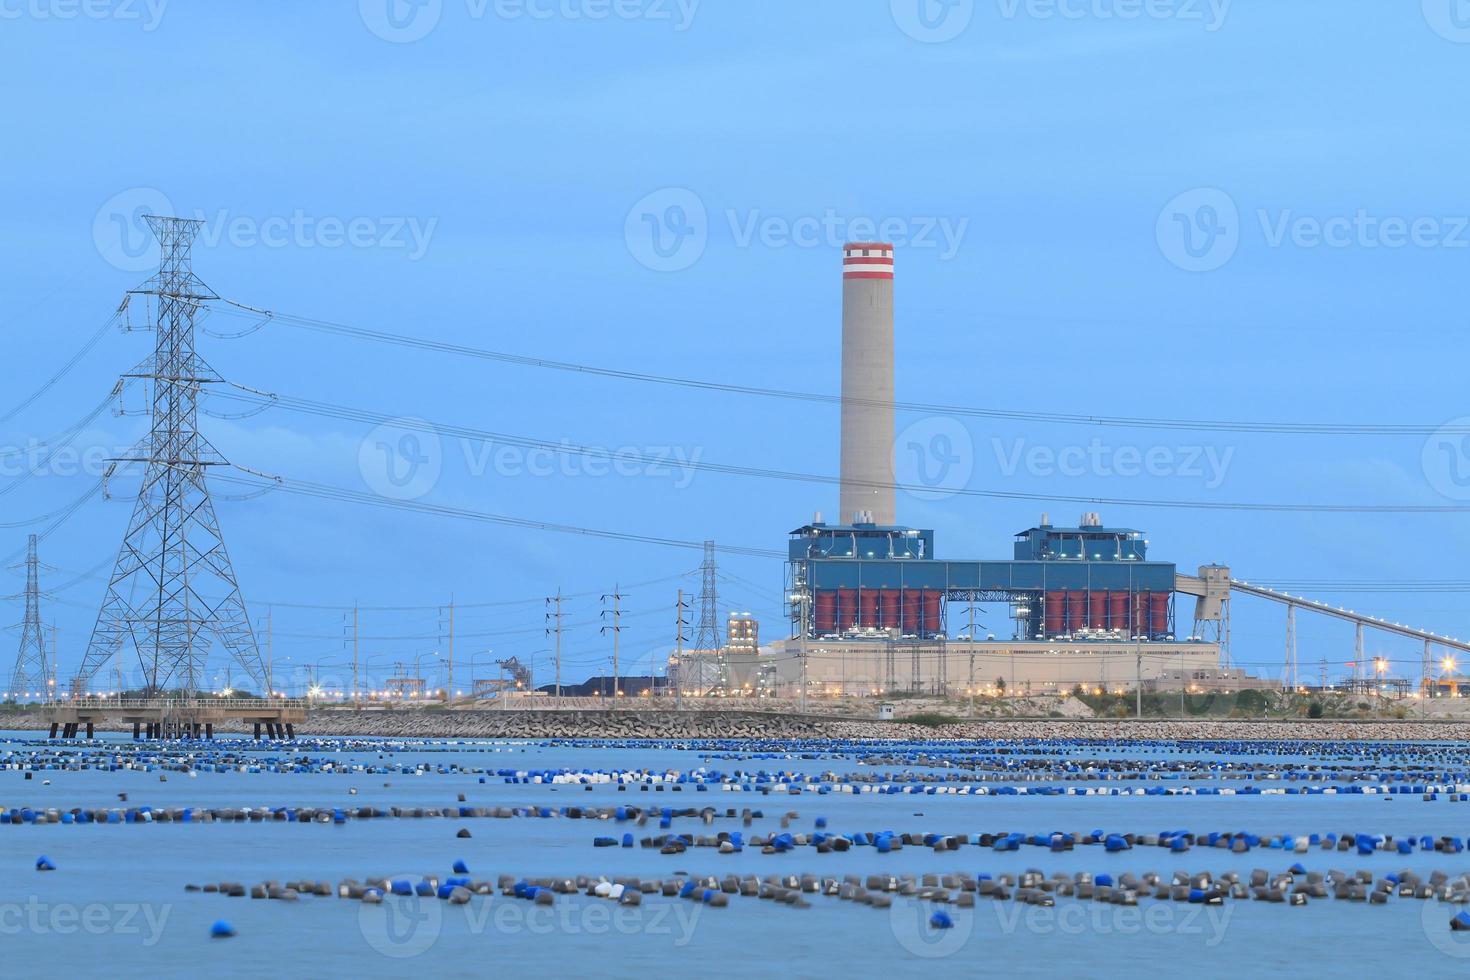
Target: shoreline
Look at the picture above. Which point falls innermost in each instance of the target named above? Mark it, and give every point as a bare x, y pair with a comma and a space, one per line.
757, 726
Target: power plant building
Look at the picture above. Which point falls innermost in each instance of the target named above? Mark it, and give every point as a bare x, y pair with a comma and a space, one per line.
873, 605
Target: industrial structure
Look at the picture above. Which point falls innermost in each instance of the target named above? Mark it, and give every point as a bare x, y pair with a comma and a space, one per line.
867, 383
874, 609
33, 676
872, 602
873, 606
172, 585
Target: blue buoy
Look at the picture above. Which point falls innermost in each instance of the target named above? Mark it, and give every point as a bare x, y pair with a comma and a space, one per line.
460, 868
43, 863
221, 929
941, 920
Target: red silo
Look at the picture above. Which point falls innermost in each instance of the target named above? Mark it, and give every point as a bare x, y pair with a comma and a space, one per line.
868, 607
1076, 609
1118, 611
1159, 613
826, 608
1055, 612
889, 608
933, 621
1097, 609
911, 610
846, 609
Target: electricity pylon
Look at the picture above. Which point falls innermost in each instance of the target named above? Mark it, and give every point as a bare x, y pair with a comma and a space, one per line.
173, 584
32, 670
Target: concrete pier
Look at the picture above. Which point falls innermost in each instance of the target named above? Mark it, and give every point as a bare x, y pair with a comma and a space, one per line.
163, 718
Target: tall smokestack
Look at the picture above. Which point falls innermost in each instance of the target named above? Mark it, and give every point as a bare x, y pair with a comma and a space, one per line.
867, 383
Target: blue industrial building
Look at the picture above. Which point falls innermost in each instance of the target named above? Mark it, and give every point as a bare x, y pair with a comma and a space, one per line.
1083, 582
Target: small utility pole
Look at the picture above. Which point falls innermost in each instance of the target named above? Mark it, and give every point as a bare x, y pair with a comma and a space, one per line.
270, 654
801, 617
615, 628
1138, 682
679, 624
449, 693
972, 658
356, 690
554, 617
55, 664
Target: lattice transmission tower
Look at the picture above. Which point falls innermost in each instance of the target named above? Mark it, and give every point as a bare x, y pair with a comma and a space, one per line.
707, 636
32, 669
707, 633
173, 586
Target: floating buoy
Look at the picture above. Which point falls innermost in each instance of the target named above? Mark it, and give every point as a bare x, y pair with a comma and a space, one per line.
221, 929
43, 863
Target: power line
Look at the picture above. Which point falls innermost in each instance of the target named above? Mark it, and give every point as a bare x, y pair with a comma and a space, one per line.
521, 360
347, 413
343, 495
72, 362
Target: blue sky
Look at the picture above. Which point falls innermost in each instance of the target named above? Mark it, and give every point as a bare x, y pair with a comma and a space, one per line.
1039, 164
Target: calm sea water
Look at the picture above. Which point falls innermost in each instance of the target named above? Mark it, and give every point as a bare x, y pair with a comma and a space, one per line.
117, 904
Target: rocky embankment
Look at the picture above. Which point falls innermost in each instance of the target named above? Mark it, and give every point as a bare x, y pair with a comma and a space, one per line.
431, 723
